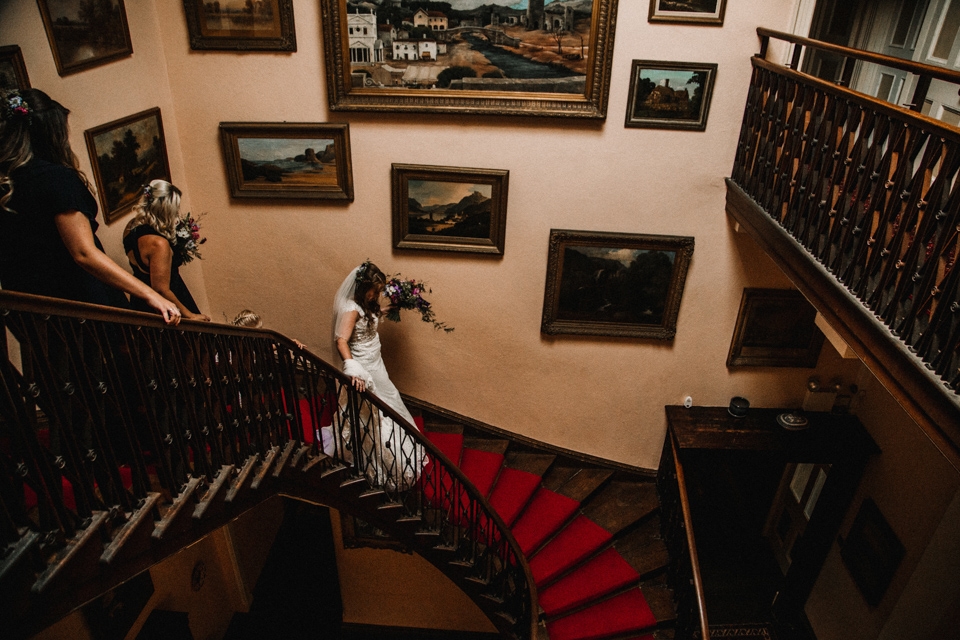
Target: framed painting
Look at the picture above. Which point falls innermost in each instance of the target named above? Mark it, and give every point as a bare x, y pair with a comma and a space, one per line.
709, 12
127, 154
775, 328
614, 284
85, 34
872, 552
288, 160
449, 208
240, 25
544, 59
13, 72
670, 95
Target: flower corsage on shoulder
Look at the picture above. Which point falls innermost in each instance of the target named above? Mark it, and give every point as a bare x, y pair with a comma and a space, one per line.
408, 294
187, 238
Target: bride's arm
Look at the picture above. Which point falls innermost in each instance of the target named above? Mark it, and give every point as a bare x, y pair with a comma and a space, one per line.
343, 346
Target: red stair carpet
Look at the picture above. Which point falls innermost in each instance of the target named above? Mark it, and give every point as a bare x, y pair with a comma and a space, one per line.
587, 590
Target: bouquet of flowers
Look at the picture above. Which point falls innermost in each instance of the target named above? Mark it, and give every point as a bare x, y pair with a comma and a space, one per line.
408, 294
187, 241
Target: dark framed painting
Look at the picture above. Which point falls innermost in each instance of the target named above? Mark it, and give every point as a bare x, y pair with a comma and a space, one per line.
13, 72
288, 160
85, 34
358, 534
775, 328
449, 208
544, 59
872, 552
240, 25
614, 284
670, 95
708, 12
127, 154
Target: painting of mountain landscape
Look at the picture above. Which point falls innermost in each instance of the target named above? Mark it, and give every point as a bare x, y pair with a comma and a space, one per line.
450, 209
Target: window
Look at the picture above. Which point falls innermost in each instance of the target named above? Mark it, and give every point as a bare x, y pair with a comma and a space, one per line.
946, 31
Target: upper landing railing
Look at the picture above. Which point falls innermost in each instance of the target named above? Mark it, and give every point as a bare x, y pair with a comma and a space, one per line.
120, 437
858, 200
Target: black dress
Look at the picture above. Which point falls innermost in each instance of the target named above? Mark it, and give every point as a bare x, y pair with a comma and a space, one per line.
33, 257
177, 285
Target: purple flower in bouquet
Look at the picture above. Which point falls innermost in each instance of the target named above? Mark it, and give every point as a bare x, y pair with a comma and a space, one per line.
187, 238
408, 294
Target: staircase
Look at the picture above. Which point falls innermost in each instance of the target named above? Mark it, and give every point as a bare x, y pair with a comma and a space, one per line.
156, 436
590, 529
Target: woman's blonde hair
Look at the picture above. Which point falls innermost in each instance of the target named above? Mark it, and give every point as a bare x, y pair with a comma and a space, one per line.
158, 207
247, 318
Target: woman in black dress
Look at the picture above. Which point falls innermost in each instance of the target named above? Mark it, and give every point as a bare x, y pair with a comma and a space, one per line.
149, 243
48, 241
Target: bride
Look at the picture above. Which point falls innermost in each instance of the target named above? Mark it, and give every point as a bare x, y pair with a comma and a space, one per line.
390, 457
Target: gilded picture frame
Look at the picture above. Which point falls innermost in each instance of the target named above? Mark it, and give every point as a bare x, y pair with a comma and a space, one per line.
614, 284
449, 208
126, 154
13, 71
670, 95
705, 12
239, 26
85, 37
298, 160
775, 328
481, 60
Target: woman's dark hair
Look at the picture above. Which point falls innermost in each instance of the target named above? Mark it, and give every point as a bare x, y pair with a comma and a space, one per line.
38, 130
368, 277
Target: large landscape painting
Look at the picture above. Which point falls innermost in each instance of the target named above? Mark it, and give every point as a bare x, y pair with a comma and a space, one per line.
397, 54
85, 33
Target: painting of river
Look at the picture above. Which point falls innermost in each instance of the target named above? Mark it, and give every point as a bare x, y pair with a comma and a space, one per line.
416, 55
240, 18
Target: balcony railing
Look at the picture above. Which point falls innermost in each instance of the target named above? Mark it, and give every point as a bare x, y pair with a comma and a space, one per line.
118, 433
858, 200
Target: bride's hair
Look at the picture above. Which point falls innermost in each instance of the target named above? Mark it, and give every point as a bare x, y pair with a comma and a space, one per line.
369, 276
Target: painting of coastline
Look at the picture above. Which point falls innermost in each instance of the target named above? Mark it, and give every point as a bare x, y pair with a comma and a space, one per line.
288, 160
669, 94
449, 208
85, 33
127, 154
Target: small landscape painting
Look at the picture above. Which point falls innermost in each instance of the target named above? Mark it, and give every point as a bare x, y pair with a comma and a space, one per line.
85, 33
288, 160
127, 154
13, 73
775, 328
614, 284
241, 24
709, 12
449, 209
670, 95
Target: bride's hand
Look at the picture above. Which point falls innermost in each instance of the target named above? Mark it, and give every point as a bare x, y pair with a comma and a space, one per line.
358, 384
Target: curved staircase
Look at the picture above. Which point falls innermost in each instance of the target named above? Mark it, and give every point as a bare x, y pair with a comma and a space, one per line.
163, 435
590, 529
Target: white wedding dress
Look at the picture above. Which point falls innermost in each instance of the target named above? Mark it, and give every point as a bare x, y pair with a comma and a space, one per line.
390, 457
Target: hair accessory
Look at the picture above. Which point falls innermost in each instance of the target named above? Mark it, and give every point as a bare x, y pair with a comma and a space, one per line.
362, 271
13, 105
148, 193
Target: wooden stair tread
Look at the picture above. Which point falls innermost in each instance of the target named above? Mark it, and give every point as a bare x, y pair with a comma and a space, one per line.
621, 504
486, 444
441, 426
660, 599
535, 463
582, 484
558, 475
643, 549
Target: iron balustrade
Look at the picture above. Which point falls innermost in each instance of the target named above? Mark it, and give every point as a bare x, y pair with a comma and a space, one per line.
108, 412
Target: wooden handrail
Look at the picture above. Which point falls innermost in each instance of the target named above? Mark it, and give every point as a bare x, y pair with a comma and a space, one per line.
691, 541
917, 68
